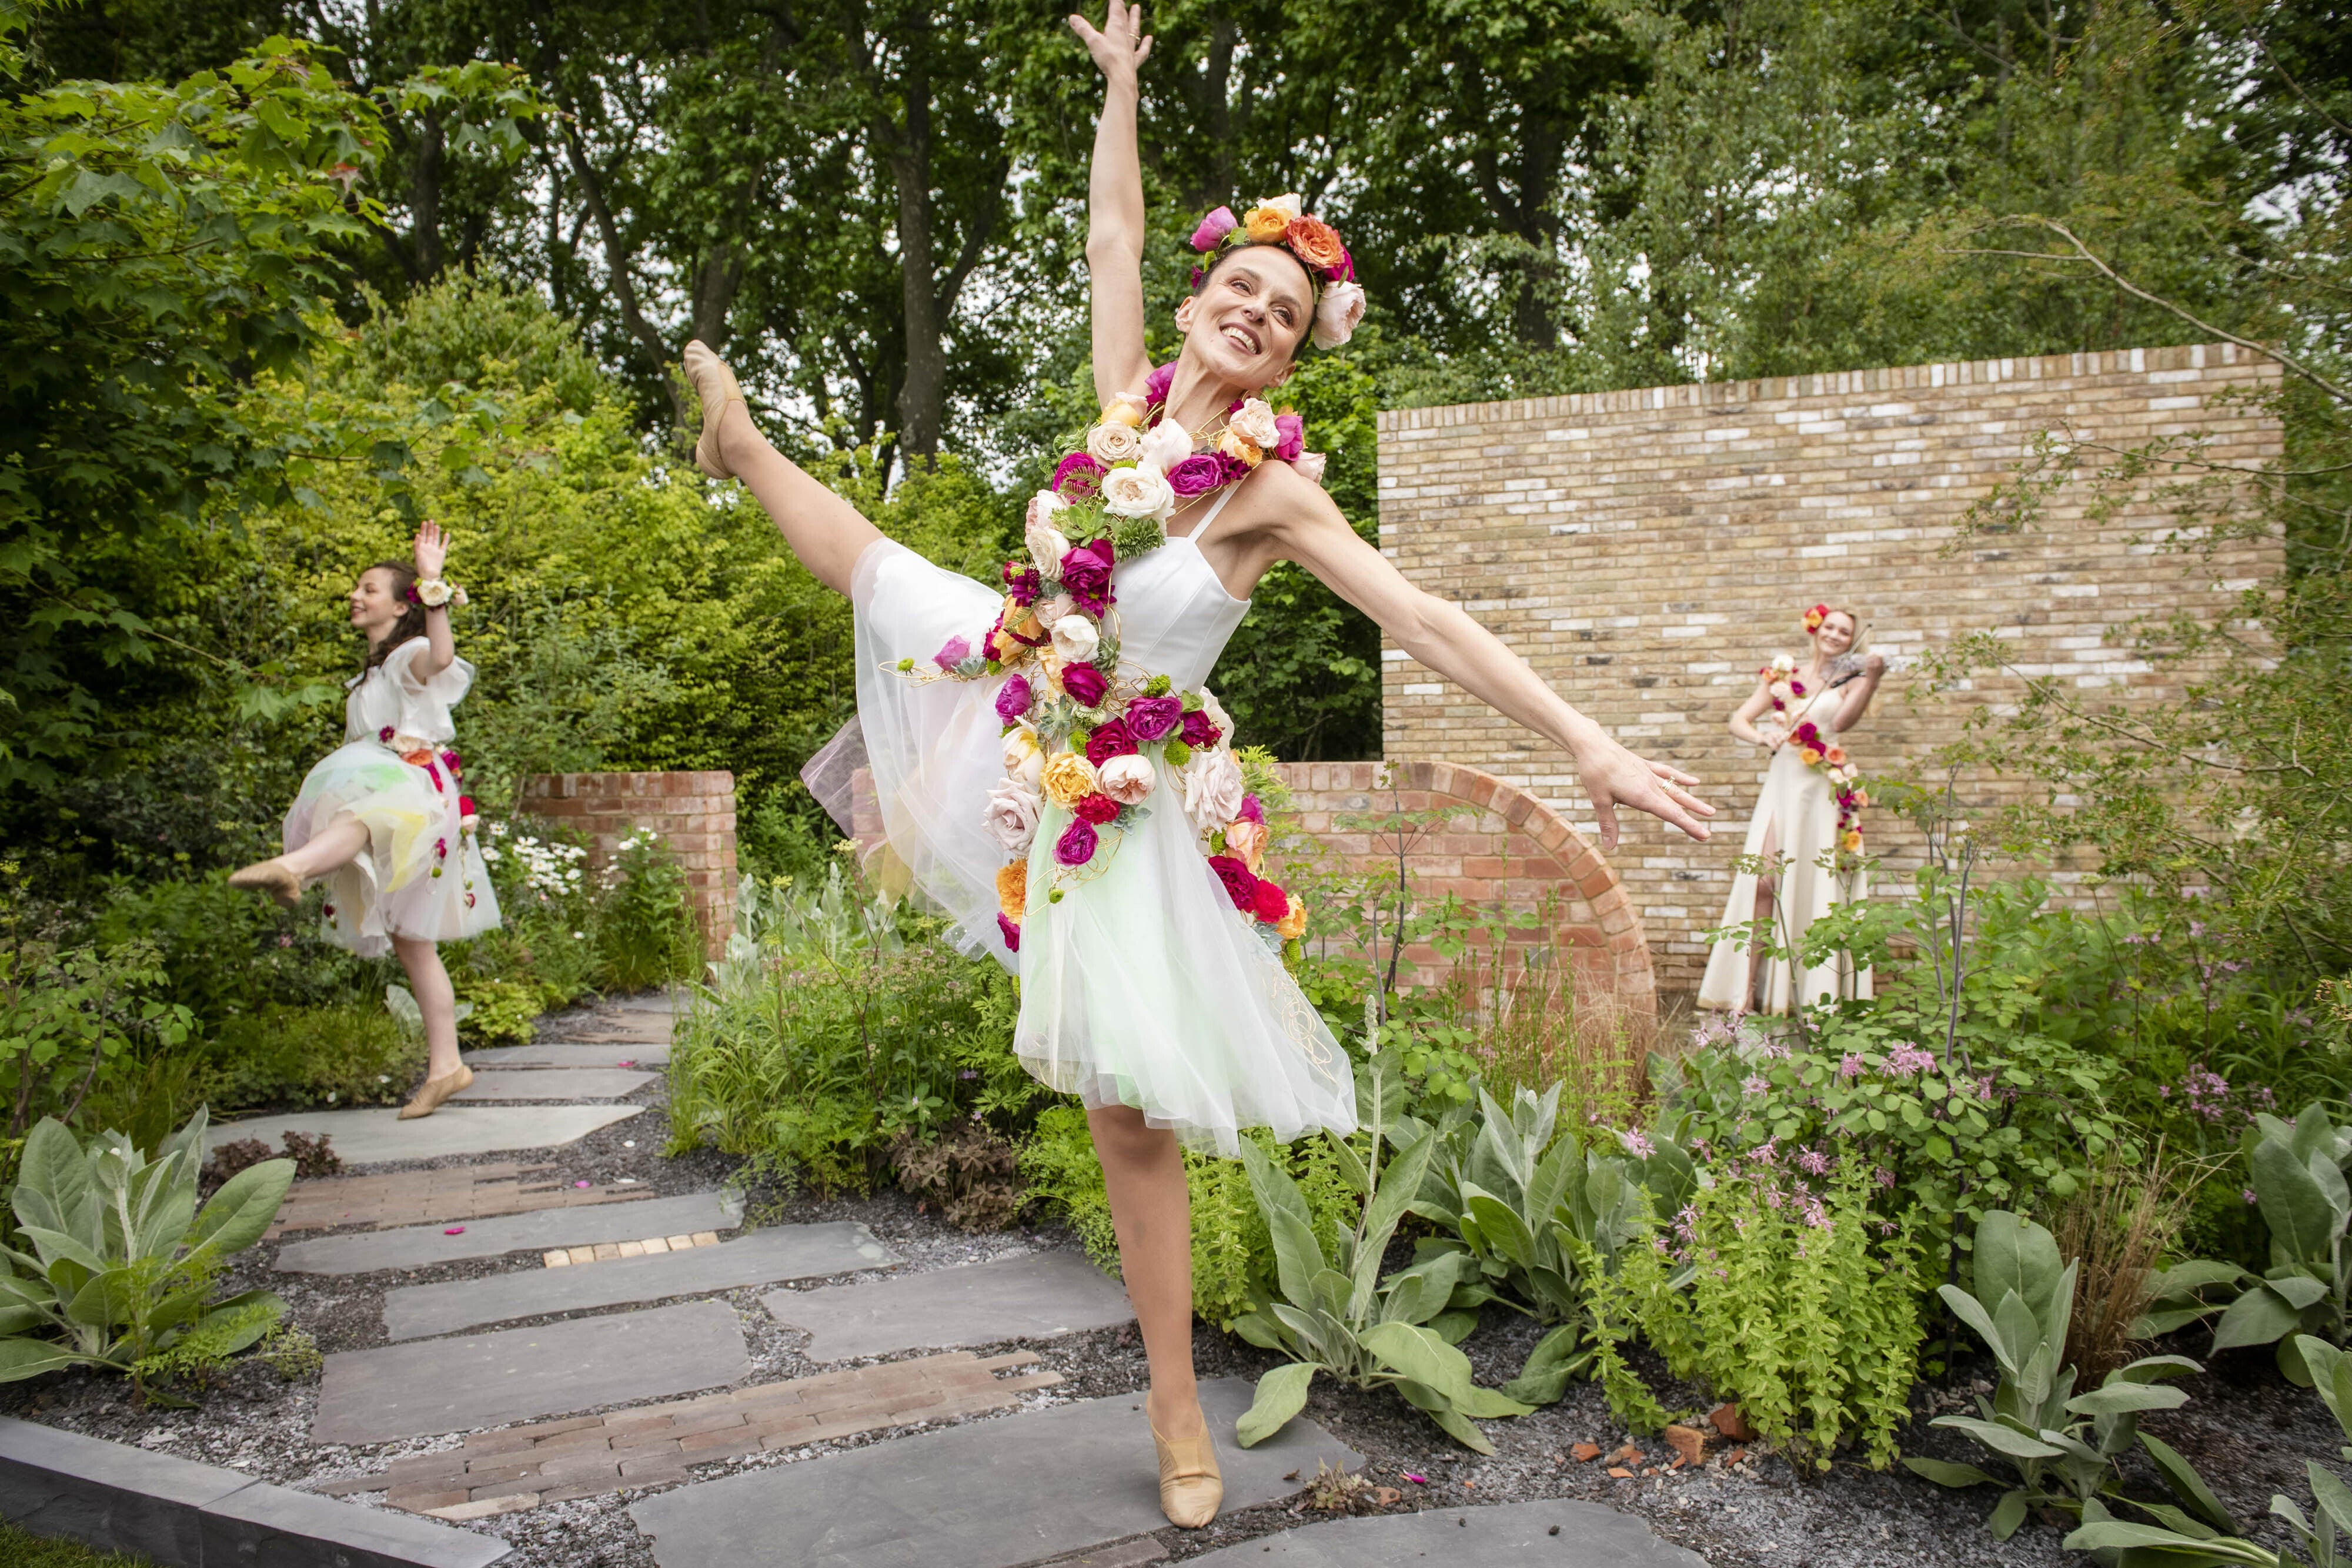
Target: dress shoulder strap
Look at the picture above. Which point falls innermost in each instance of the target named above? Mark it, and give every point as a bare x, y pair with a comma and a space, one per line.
1197, 529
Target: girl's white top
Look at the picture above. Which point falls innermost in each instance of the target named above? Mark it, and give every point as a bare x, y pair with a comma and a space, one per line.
392, 693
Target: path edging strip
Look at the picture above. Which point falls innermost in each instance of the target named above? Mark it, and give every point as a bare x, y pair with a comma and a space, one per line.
182, 1514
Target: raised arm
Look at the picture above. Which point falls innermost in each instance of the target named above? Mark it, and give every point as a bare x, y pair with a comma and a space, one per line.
431, 552
1305, 525
1857, 701
1114, 220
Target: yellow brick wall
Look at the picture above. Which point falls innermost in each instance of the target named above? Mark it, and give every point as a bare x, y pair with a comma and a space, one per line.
1645, 551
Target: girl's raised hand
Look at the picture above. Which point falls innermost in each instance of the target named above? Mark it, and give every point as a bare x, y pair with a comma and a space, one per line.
1119, 46
432, 548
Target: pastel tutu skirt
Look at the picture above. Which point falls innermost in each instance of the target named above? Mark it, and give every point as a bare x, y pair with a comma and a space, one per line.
1144, 986
421, 874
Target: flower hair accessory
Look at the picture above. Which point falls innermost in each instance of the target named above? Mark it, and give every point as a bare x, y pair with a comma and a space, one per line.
1276, 220
1815, 616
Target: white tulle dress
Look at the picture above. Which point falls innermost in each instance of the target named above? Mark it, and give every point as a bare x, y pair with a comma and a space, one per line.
1143, 986
1800, 803
422, 874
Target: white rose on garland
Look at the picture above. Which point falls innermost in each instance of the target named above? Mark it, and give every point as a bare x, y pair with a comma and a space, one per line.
1166, 444
1139, 492
1076, 639
1337, 313
1108, 444
1012, 814
1213, 788
1047, 545
1128, 779
1254, 421
1024, 760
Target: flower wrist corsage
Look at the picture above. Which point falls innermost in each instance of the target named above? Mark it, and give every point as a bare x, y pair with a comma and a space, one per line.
434, 593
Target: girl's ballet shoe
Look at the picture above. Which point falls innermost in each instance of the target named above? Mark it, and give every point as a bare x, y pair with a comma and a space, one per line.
429, 1098
274, 877
715, 384
1191, 1485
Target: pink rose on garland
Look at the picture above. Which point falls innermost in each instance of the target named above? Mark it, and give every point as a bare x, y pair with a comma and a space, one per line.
1085, 685
1079, 477
1245, 840
1290, 438
1214, 228
1197, 474
1128, 779
1023, 582
1010, 932
1252, 811
1098, 808
1151, 719
1110, 740
1086, 577
1014, 699
955, 651
1200, 734
1240, 885
1270, 904
1076, 844
1156, 385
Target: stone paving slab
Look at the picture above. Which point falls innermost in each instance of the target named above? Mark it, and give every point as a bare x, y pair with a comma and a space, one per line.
518, 1375
566, 1053
761, 1258
649, 1444
1036, 1296
572, 1083
377, 1137
433, 1196
365, 1251
1553, 1533
987, 1494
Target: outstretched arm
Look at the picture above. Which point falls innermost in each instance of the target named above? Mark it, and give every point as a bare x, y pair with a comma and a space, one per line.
1114, 220
1445, 639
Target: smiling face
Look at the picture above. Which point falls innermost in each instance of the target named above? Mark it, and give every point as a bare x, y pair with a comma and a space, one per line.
1836, 634
376, 603
1243, 326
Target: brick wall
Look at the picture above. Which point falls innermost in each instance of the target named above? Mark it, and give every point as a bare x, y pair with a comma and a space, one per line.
1646, 551
693, 813
1507, 848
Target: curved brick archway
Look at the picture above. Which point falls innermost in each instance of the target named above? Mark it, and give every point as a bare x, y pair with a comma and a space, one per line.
1514, 851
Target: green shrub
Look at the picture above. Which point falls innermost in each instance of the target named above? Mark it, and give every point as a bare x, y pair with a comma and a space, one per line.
644, 920
310, 1056
503, 1012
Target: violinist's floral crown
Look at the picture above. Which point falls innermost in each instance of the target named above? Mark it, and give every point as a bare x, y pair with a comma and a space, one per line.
1276, 220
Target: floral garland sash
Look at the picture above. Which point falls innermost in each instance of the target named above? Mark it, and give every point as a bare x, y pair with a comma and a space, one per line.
1819, 752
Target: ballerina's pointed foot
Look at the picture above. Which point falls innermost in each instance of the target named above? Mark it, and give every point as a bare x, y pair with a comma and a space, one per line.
274, 877
1191, 1485
428, 1097
715, 384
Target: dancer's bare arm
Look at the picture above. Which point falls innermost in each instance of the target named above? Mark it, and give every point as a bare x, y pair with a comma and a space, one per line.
1744, 718
1114, 220
431, 553
1301, 523
1857, 700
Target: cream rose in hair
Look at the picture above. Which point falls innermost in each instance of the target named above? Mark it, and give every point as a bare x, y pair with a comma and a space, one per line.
1128, 779
1076, 639
1139, 492
1254, 421
1010, 815
1110, 443
1213, 788
1337, 313
1166, 444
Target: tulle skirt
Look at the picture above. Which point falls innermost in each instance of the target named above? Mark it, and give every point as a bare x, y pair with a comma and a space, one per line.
1143, 986
421, 874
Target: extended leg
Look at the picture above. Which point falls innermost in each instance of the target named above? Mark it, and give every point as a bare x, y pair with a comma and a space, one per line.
282, 876
824, 531
428, 980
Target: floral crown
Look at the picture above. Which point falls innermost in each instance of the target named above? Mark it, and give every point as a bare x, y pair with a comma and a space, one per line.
1816, 615
1276, 220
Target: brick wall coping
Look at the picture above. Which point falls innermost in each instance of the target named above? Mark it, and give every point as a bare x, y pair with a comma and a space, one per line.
1837, 383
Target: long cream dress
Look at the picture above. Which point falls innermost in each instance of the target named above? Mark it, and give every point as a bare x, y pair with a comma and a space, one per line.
1801, 800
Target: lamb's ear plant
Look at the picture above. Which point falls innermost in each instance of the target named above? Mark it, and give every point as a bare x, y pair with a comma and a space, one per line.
1337, 1314
2060, 1446
122, 1263
2296, 1169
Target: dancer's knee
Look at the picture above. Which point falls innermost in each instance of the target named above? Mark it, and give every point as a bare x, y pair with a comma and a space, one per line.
1123, 1137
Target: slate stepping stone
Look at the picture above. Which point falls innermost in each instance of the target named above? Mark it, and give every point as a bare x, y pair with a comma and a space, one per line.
375, 1137
762, 1258
520, 1374
562, 1053
987, 1494
1036, 1296
573, 1083
1553, 1533
418, 1246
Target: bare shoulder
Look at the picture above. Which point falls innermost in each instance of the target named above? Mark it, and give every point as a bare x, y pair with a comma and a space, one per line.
1279, 501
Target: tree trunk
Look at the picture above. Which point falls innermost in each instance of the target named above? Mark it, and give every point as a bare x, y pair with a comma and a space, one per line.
922, 396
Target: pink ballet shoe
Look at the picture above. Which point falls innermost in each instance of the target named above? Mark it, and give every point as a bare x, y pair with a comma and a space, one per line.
274, 877
715, 384
428, 1097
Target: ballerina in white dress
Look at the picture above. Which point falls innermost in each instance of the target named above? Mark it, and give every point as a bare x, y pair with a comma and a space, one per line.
1055, 774
383, 820
1810, 809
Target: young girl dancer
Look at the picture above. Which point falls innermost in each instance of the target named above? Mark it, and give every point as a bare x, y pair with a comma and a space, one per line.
381, 819
1811, 807
1051, 767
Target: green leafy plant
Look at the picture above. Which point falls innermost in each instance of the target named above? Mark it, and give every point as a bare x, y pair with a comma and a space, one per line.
645, 931
497, 1011
2296, 1170
2060, 1447
1336, 1314
123, 1264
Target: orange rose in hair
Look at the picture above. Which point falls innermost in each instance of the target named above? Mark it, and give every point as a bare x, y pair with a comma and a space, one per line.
1315, 241
1265, 225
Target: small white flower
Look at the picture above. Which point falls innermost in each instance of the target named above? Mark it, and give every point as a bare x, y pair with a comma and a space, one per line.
1075, 638
1108, 444
1139, 492
1288, 205
1166, 444
1046, 542
1024, 760
1254, 422
580, 936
